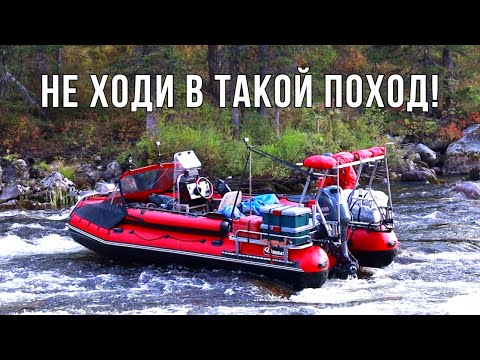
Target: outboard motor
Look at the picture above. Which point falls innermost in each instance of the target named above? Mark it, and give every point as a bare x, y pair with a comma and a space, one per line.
329, 200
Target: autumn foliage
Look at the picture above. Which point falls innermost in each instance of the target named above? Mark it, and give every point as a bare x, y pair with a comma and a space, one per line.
216, 132
453, 130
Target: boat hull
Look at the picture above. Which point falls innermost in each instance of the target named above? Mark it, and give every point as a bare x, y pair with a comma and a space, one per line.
289, 275
373, 247
375, 259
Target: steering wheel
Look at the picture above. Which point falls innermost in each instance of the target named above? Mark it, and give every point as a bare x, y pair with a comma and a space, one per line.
204, 188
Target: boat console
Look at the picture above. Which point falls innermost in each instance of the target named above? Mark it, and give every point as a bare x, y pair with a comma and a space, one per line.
191, 190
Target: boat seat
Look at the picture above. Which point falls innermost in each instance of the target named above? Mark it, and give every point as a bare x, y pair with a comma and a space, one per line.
229, 199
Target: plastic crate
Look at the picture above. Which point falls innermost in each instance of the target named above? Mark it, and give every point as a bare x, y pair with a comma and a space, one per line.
285, 215
296, 235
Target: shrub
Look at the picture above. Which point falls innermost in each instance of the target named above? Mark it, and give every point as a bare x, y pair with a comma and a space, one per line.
421, 128
67, 171
450, 132
43, 165
259, 129
474, 118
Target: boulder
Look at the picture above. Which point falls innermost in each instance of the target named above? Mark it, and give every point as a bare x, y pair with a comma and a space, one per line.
57, 181
427, 155
420, 175
464, 154
470, 189
11, 191
113, 170
17, 171
88, 173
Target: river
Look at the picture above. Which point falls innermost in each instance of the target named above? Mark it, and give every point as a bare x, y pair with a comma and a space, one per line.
43, 271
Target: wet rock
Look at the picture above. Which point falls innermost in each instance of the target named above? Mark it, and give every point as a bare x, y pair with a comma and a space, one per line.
464, 154
1, 175
9, 205
427, 155
470, 189
11, 191
475, 174
57, 181
113, 170
33, 205
421, 175
16, 172
24, 204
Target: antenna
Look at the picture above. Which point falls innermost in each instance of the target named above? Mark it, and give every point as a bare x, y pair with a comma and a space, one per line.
246, 140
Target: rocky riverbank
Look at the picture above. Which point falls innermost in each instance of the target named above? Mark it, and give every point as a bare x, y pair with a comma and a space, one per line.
428, 162
34, 184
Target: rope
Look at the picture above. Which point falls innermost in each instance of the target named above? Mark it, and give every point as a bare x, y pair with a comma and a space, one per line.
168, 237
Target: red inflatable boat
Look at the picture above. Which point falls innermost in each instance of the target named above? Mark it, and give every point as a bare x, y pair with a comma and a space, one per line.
168, 213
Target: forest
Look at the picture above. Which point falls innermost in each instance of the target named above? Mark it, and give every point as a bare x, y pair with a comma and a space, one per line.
215, 133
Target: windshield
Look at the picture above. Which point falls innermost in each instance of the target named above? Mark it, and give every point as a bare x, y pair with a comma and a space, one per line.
137, 184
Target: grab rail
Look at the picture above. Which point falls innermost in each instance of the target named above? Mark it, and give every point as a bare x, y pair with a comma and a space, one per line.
270, 242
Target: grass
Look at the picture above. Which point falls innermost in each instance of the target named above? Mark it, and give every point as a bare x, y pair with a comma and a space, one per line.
67, 171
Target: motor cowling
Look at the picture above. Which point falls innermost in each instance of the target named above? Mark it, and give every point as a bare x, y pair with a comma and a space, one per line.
328, 201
